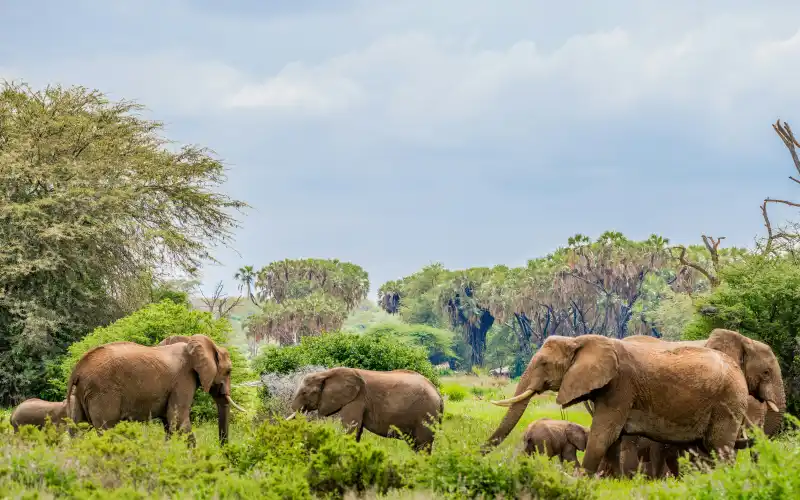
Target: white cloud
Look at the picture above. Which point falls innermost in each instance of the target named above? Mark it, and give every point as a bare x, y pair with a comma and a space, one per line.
299, 88
419, 83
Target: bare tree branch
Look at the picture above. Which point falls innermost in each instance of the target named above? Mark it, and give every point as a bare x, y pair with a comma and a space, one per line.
219, 305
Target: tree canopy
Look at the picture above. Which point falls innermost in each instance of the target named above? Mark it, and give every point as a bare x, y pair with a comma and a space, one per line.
94, 204
610, 286
305, 297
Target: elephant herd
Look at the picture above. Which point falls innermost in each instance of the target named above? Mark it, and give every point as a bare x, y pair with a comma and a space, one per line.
650, 399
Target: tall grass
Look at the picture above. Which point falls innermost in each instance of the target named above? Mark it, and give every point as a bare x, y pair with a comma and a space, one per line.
316, 459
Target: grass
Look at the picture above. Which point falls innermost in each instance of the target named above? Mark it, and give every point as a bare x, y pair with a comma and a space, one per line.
300, 459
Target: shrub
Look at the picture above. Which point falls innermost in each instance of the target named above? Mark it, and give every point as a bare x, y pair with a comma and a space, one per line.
437, 342
149, 326
369, 351
454, 392
330, 461
278, 389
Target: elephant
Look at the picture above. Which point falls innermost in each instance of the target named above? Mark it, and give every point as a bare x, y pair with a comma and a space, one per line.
636, 390
553, 438
34, 411
128, 381
374, 400
756, 360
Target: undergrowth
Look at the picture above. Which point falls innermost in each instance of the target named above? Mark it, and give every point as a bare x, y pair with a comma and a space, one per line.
316, 459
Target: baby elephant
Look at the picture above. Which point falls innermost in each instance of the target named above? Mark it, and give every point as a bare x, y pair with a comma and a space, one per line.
374, 400
35, 411
555, 438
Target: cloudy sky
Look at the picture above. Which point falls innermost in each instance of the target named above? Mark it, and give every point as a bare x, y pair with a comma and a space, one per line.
398, 133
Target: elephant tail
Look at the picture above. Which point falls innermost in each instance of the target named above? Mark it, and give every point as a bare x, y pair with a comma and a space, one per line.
441, 409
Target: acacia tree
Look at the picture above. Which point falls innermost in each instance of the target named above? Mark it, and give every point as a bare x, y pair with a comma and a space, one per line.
305, 297
91, 200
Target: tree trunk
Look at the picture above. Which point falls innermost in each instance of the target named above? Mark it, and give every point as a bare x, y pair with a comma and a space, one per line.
476, 337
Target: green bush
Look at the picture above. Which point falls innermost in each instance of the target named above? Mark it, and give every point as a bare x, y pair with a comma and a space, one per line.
437, 342
758, 298
149, 326
369, 351
454, 392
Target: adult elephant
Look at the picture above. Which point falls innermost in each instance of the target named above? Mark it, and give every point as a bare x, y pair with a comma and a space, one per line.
374, 400
766, 404
636, 390
127, 381
756, 360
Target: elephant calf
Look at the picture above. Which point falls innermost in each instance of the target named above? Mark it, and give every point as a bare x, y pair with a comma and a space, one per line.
374, 400
555, 438
35, 411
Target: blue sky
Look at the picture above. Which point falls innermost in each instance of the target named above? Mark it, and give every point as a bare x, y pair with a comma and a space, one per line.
398, 133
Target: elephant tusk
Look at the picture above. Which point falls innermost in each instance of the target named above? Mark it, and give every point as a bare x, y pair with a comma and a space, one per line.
234, 404
515, 399
294, 414
773, 407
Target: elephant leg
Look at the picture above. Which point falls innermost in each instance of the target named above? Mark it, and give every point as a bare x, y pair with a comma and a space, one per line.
177, 419
352, 416
570, 454
604, 433
423, 438
629, 455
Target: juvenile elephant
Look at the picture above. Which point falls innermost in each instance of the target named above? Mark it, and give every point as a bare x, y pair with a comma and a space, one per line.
553, 438
127, 381
374, 400
691, 395
34, 411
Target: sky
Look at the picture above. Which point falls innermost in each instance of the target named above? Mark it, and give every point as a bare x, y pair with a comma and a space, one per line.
394, 134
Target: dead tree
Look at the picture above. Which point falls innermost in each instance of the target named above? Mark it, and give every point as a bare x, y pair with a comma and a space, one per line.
218, 304
784, 131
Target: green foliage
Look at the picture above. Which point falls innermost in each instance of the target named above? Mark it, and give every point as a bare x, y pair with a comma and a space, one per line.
149, 326
759, 298
365, 316
454, 392
372, 351
305, 297
436, 341
92, 200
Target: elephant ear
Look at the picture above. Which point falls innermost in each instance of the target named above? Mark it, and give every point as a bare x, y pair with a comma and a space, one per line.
203, 356
729, 342
594, 365
338, 389
576, 435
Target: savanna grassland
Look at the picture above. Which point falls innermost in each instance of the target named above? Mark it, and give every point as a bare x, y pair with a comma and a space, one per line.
106, 225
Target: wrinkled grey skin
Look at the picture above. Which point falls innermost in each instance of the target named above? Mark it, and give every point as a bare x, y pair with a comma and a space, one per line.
34, 411
555, 438
374, 400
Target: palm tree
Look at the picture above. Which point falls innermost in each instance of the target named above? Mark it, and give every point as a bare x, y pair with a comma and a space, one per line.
246, 275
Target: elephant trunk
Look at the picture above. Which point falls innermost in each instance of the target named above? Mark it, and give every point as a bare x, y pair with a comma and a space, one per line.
522, 396
773, 420
223, 415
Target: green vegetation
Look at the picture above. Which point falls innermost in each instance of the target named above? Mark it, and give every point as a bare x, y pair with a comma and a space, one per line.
303, 297
315, 459
94, 203
372, 351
